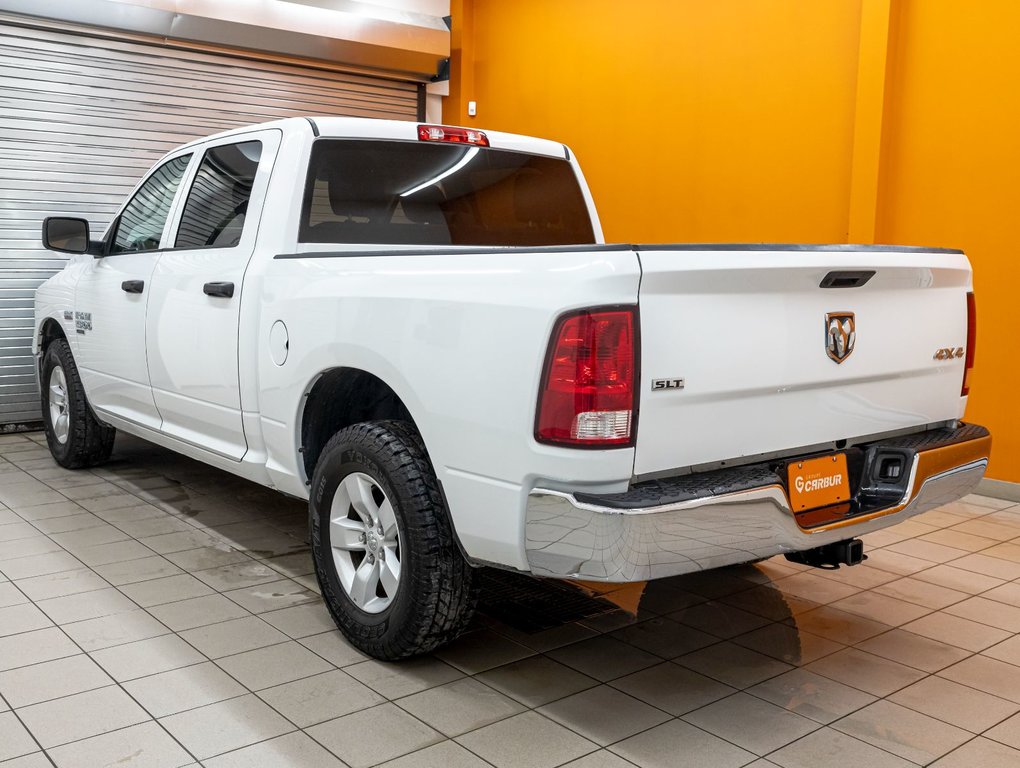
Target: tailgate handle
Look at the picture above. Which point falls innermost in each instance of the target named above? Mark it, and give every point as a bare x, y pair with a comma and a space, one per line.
847, 279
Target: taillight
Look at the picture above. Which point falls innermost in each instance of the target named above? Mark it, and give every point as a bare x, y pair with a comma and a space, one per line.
452, 135
589, 387
968, 363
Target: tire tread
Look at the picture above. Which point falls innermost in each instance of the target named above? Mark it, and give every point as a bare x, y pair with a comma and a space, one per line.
89, 441
444, 591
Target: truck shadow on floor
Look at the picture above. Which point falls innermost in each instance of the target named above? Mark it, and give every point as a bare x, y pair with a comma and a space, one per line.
675, 616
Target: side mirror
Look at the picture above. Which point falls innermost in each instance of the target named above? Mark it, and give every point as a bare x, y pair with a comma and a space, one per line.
66, 235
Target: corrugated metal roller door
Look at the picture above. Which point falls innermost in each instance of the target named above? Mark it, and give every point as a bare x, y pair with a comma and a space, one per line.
81, 118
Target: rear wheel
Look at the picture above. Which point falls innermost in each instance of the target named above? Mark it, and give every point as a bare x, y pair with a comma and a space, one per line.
76, 438
391, 573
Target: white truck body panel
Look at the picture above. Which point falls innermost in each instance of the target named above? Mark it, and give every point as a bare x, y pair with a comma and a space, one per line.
192, 338
109, 360
461, 339
460, 335
746, 332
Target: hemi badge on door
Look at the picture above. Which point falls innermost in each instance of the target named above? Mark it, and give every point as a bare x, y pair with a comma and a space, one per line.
667, 384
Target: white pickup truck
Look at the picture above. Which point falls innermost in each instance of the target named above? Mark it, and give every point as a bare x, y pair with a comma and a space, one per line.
420, 329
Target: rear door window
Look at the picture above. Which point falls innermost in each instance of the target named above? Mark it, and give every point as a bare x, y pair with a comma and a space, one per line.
417, 193
217, 204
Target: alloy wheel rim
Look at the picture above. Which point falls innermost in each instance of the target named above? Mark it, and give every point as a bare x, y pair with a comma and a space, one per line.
60, 418
365, 541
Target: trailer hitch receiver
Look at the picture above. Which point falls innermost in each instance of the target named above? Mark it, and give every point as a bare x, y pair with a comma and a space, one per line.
831, 556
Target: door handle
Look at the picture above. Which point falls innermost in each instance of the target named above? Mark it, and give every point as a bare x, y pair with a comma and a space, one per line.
225, 290
133, 286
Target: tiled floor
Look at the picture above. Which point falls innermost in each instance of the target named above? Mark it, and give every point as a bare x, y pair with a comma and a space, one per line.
159, 613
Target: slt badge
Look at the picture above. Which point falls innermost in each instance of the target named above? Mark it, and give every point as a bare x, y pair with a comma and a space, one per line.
840, 335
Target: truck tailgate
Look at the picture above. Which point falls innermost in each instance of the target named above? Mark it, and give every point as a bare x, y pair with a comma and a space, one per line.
747, 331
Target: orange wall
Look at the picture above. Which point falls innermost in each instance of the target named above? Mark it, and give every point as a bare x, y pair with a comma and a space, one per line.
732, 131
734, 120
951, 175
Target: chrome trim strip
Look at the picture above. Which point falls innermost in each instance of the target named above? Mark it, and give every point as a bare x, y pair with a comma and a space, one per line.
568, 539
912, 479
772, 493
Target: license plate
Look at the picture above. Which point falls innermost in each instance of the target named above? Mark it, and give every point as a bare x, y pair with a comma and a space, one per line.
819, 482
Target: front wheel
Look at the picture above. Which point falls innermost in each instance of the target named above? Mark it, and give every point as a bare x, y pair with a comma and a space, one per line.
76, 438
391, 573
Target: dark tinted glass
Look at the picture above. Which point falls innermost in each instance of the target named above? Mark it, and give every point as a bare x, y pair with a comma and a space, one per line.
218, 200
411, 193
141, 224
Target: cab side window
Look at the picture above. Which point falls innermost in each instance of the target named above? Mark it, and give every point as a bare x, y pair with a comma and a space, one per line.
140, 225
217, 202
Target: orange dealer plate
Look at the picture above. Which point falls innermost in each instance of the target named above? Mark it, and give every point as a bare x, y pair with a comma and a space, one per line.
818, 482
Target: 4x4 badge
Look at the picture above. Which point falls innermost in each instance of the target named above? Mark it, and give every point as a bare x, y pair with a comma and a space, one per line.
840, 335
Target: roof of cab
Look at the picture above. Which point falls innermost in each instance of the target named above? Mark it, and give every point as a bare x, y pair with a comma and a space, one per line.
392, 130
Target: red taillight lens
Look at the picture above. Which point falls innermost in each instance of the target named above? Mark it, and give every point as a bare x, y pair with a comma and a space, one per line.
452, 135
968, 363
589, 389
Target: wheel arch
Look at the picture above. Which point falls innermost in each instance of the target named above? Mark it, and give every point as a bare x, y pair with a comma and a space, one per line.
340, 397
49, 331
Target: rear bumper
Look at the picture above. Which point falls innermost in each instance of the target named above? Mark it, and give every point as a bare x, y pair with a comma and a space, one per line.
730, 517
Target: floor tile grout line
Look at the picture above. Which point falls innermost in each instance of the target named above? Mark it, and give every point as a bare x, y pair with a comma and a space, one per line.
60, 627
145, 501
118, 587
464, 676
533, 710
126, 693
250, 615
975, 737
967, 685
947, 722
821, 674
750, 692
472, 752
887, 698
47, 750
819, 727
829, 727
970, 597
113, 680
31, 736
608, 632
891, 628
994, 739
671, 719
608, 683
82, 651
723, 640
969, 652
931, 610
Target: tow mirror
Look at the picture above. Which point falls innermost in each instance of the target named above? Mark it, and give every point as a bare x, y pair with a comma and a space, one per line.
66, 235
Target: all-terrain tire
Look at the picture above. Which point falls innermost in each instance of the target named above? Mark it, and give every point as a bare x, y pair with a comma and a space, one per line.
436, 594
83, 441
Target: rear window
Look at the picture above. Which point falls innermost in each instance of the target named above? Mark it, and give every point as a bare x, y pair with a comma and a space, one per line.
409, 193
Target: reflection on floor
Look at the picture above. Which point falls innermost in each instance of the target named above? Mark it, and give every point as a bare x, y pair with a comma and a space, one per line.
158, 612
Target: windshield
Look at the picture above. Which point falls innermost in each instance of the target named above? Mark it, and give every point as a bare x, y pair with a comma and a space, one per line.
417, 193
